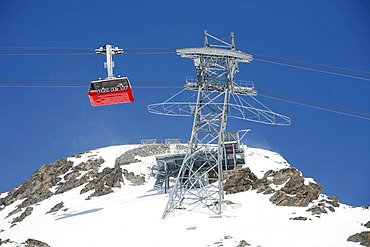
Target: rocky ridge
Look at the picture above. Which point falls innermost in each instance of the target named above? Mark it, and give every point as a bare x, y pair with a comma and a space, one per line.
363, 237
28, 243
287, 186
64, 175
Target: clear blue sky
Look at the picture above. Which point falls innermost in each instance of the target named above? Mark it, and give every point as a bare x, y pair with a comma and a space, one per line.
41, 125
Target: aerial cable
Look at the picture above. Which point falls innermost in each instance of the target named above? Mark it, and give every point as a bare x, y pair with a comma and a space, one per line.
77, 51
317, 103
317, 106
42, 51
309, 63
317, 70
64, 51
27, 51
73, 84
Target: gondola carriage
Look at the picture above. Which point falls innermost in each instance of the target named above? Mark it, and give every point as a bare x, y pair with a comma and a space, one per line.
112, 90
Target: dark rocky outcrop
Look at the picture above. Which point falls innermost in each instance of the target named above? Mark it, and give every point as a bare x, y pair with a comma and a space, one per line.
299, 218
28, 243
34, 243
17, 210
363, 238
89, 165
64, 176
243, 243
5, 241
37, 187
238, 180
26, 213
104, 181
367, 224
73, 179
56, 208
325, 205
134, 179
293, 191
262, 185
35, 198
331, 200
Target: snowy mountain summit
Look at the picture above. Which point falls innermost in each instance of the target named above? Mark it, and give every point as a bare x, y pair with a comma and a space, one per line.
108, 197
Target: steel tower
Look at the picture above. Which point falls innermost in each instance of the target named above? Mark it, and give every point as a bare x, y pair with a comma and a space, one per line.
218, 96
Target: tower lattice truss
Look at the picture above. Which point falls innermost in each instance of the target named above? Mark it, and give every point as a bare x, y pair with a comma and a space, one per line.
218, 96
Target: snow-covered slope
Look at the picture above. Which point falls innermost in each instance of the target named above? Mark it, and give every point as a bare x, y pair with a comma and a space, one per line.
131, 215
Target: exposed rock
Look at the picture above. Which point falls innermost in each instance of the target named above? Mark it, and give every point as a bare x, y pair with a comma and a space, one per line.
280, 177
56, 208
34, 243
134, 179
35, 198
299, 218
239, 179
332, 200
191, 228
71, 175
17, 210
331, 209
143, 151
363, 238
6, 241
100, 190
37, 187
279, 198
72, 181
263, 185
26, 213
367, 224
228, 202
104, 181
315, 209
324, 205
243, 243
268, 190
295, 192
89, 165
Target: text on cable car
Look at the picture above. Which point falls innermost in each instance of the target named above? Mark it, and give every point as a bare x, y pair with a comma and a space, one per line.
119, 87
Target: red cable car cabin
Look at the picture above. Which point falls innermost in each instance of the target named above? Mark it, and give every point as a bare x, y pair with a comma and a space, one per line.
110, 91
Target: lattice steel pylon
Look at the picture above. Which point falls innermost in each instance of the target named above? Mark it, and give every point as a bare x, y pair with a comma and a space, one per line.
200, 179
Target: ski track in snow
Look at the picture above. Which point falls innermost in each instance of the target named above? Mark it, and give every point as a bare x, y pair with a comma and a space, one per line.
131, 216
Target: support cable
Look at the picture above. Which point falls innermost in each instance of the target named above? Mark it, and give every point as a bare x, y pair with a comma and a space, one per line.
75, 51
361, 114
316, 70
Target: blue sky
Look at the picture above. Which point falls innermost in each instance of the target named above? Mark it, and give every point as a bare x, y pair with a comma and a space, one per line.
42, 124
